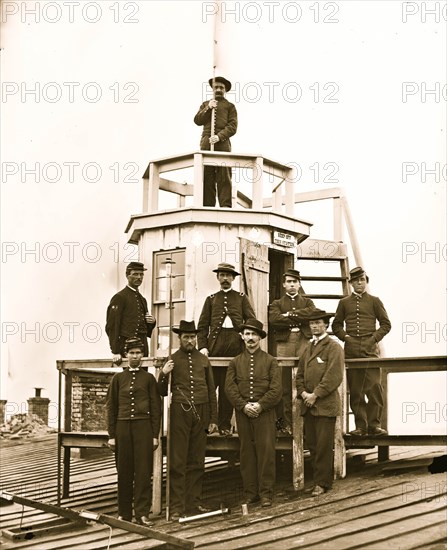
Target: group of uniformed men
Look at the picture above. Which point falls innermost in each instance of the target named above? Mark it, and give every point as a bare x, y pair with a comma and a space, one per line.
253, 384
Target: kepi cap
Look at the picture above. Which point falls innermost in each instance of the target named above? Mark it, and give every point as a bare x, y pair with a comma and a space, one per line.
137, 266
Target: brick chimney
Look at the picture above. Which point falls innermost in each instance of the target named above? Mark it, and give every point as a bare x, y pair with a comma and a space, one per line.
38, 405
2, 410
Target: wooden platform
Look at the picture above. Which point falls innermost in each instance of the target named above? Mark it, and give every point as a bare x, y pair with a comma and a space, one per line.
403, 507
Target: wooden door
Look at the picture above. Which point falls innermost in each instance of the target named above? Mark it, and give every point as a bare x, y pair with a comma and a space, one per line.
255, 277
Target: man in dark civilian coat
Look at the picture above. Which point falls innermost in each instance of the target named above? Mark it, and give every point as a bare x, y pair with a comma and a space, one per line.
355, 324
128, 315
219, 136
218, 333
192, 415
291, 337
320, 372
253, 386
133, 420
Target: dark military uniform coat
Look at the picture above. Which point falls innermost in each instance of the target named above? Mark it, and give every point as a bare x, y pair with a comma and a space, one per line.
126, 319
216, 307
225, 124
299, 307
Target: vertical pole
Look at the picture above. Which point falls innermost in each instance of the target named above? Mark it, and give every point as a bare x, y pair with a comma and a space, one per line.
384, 452
338, 219
215, 46
257, 183
340, 430
297, 443
168, 263
59, 426
198, 180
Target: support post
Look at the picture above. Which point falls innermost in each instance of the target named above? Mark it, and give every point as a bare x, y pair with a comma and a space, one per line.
290, 192
340, 430
153, 188
198, 180
383, 453
338, 220
297, 443
257, 183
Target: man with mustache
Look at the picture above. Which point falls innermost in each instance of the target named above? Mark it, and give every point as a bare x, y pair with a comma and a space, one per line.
225, 126
218, 333
192, 415
253, 386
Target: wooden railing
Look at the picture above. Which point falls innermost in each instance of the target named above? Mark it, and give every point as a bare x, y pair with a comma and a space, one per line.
69, 439
282, 184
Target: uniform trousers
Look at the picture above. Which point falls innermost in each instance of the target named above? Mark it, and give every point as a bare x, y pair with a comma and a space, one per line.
187, 445
364, 382
294, 347
257, 453
319, 432
228, 344
134, 458
220, 177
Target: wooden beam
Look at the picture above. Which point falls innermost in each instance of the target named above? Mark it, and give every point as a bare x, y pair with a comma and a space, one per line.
351, 232
309, 196
183, 189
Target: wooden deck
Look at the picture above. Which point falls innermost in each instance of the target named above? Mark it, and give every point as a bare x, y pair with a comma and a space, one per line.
396, 504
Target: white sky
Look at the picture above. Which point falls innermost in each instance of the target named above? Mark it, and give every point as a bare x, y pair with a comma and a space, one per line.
161, 62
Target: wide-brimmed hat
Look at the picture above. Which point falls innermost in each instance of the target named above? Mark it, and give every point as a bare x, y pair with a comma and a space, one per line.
356, 273
226, 268
132, 343
316, 314
221, 79
185, 326
137, 266
256, 325
292, 273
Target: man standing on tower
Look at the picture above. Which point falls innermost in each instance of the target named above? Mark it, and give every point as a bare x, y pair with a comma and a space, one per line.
225, 126
355, 324
222, 315
128, 315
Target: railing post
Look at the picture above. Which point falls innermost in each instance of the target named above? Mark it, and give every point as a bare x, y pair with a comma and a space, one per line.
383, 453
297, 442
150, 194
340, 430
198, 180
290, 192
257, 183
338, 219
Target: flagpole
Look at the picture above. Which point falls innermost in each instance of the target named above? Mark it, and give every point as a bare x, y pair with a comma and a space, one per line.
168, 264
215, 46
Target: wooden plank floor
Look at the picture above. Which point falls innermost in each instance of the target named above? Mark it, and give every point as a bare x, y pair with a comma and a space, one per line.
400, 508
